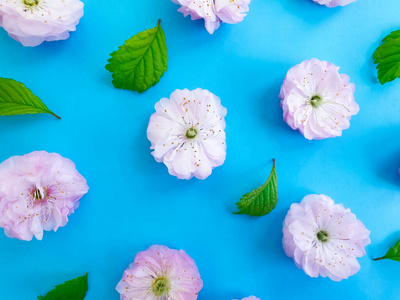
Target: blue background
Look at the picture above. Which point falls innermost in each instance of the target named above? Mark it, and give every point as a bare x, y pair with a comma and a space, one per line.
133, 202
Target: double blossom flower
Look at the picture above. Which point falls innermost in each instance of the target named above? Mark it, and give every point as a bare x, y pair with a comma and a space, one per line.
161, 273
38, 192
187, 133
324, 238
317, 100
334, 3
31, 22
214, 11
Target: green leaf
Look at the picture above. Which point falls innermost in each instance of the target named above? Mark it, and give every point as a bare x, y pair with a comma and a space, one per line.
140, 63
261, 201
17, 99
393, 253
74, 289
387, 56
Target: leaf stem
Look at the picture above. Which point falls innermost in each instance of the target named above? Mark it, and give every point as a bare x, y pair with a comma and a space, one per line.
159, 22
273, 162
56, 116
379, 258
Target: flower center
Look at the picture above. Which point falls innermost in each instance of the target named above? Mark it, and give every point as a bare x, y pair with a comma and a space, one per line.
191, 133
315, 101
31, 2
38, 194
161, 286
323, 236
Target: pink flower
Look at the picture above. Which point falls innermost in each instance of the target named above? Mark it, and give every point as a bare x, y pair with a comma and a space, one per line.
160, 273
232, 11
334, 3
324, 238
214, 11
317, 100
38, 191
187, 133
200, 10
31, 22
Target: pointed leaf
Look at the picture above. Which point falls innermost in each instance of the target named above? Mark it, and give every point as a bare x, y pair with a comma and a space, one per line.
261, 201
393, 253
74, 289
140, 63
17, 99
387, 56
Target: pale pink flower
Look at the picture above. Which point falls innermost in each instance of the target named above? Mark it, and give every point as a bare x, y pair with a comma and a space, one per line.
317, 100
160, 273
214, 11
231, 11
38, 191
324, 238
31, 22
334, 3
251, 298
199, 9
187, 133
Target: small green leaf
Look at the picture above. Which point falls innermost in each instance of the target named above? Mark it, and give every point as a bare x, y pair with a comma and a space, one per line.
261, 201
393, 253
17, 99
140, 63
74, 289
387, 56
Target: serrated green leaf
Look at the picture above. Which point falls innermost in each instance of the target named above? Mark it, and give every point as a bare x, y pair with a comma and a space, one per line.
387, 58
17, 99
140, 63
393, 253
261, 201
74, 289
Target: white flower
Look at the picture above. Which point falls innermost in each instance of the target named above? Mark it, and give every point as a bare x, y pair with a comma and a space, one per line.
324, 238
31, 22
334, 3
232, 11
317, 100
214, 11
200, 10
161, 273
187, 133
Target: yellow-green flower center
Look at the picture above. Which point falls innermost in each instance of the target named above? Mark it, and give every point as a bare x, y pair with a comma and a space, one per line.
315, 101
161, 286
31, 2
322, 236
191, 133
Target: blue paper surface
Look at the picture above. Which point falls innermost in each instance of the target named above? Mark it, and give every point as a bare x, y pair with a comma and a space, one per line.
133, 202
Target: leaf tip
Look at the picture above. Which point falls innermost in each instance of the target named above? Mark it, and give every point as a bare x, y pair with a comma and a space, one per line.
159, 22
273, 162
